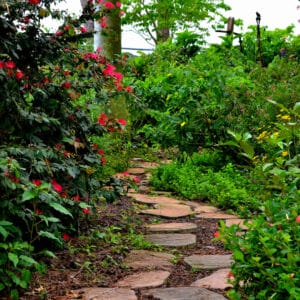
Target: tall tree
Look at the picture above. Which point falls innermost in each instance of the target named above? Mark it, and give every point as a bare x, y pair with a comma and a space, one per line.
157, 20
106, 26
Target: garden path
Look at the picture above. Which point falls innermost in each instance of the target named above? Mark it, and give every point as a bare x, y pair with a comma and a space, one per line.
175, 226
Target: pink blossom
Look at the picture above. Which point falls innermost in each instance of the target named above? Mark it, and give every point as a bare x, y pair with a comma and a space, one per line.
298, 219
118, 4
109, 70
83, 29
109, 5
136, 179
10, 65
103, 22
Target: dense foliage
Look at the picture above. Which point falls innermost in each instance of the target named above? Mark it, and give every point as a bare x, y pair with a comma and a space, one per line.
52, 119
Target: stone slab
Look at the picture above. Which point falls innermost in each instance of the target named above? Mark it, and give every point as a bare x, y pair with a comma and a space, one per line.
136, 171
217, 280
169, 211
216, 215
240, 222
147, 165
209, 262
146, 199
144, 259
172, 239
202, 208
106, 293
172, 227
141, 280
181, 293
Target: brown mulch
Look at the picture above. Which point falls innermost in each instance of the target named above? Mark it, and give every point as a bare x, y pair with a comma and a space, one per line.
82, 264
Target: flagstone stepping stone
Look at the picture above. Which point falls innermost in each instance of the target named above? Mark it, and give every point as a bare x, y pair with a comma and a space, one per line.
201, 208
172, 227
217, 280
147, 165
169, 211
144, 259
136, 171
181, 293
146, 199
216, 215
107, 293
209, 262
239, 222
141, 280
172, 239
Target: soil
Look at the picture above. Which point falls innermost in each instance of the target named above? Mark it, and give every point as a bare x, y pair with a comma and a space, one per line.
99, 264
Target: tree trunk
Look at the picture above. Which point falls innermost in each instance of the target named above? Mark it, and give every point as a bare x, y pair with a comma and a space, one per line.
108, 38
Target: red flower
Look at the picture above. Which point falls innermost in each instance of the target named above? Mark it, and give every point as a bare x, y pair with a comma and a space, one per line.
76, 198
109, 5
65, 237
58, 146
111, 129
36, 182
1, 64
217, 234
101, 151
136, 179
83, 29
121, 122
109, 70
66, 85
86, 211
58, 33
103, 160
38, 212
129, 89
95, 146
103, 22
67, 73
125, 174
117, 75
298, 219
34, 2
118, 4
56, 186
19, 75
230, 275
10, 65
102, 119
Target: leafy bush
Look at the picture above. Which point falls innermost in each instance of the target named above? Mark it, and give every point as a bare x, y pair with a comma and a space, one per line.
267, 255
225, 186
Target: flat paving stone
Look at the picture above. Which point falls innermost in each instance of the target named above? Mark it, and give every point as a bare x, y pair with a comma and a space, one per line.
147, 199
147, 164
107, 294
198, 209
209, 262
240, 222
172, 239
169, 211
217, 280
144, 259
181, 293
141, 280
216, 215
172, 227
136, 171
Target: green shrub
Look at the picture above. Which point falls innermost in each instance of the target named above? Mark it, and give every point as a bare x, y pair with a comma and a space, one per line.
267, 256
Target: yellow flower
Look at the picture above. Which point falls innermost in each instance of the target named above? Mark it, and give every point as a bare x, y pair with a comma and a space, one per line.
286, 117
182, 124
169, 75
276, 133
284, 153
262, 135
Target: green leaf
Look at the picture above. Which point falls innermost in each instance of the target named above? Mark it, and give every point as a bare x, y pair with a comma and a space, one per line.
48, 235
5, 223
13, 258
58, 207
28, 195
28, 260
48, 253
238, 255
3, 232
